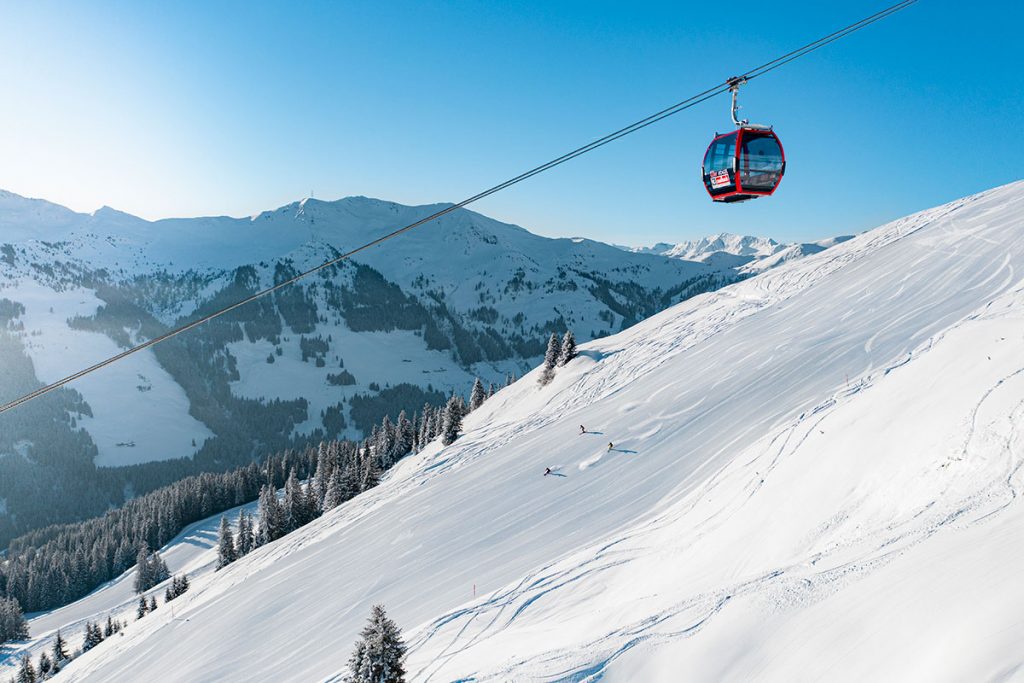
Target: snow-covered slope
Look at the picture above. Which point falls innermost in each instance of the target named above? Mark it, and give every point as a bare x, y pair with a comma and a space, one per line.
191, 553
815, 475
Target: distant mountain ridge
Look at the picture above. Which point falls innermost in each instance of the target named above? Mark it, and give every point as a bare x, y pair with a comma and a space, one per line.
744, 254
402, 324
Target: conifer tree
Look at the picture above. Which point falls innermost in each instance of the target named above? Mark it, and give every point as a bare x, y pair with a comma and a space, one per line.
26, 674
426, 424
143, 608
371, 472
404, 440
333, 498
379, 651
158, 568
272, 522
477, 396
93, 636
551, 358
452, 421
142, 579
12, 622
568, 348
59, 653
438, 427
293, 503
226, 553
150, 569
45, 664
152, 604
324, 467
244, 540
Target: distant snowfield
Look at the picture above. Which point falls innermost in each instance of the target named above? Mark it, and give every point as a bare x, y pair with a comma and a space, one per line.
815, 475
386, 358
140, 413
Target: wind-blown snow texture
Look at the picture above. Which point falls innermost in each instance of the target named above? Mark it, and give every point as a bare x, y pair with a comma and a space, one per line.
816, 475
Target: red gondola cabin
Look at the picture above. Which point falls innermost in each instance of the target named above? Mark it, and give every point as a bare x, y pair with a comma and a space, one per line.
744, 164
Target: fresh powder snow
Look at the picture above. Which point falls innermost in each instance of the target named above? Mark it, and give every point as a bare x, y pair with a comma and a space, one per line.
815, 474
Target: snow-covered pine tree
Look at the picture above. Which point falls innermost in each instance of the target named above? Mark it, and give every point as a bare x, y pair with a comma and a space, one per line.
426, 425
244, 541
324, 466
143, 581
371, 472
158, 568
333, 498
108, 629
438, 427
26, 672
404, 440
314, 504
143, 608
12, 622
272, 521
452, 421
45, 665
293, 503
568, 348
477, 395
387, 437
379, 651
226, 553
352, 476
152, 604
89, 641
551, 358
59, 652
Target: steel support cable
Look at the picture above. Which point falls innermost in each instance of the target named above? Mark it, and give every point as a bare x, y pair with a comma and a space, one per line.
600, 142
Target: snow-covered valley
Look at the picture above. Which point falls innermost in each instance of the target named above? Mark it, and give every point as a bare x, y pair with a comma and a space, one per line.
812, 474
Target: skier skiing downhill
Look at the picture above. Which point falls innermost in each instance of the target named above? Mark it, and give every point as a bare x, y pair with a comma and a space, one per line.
610, 445
547, 471
583, 430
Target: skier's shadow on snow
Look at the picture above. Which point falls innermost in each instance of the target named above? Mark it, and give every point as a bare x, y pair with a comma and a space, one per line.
555, 474
621, 450
590, 432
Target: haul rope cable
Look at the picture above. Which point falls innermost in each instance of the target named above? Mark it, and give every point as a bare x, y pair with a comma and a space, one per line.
600, 142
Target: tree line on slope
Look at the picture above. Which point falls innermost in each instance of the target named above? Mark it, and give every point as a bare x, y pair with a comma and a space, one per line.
51, 567
343, 470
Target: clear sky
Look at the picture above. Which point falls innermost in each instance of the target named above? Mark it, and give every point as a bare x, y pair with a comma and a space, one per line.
197, 108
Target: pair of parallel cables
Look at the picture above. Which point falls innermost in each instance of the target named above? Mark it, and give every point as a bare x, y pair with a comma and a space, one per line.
600, 142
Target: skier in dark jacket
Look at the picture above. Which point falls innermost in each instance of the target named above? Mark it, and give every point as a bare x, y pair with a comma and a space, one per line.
547, 471
583, 430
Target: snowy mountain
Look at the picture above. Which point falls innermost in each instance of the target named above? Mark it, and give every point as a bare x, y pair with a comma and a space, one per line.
403, 324
816, 474
740, 253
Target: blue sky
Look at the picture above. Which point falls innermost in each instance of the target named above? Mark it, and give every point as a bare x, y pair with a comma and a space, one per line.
178, 109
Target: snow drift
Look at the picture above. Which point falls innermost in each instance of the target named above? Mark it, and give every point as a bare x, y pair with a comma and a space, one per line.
815, 475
